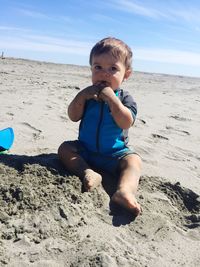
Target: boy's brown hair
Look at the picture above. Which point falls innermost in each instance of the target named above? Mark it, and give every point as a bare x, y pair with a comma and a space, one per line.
115, 47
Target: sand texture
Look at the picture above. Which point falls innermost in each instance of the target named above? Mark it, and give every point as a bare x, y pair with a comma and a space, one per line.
46, 219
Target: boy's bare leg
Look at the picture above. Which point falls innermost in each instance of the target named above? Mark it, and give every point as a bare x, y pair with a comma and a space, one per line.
128, 183
77, 165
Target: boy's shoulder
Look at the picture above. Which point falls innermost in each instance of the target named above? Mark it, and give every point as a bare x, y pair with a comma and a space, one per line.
123, 93
127, 100
125, 96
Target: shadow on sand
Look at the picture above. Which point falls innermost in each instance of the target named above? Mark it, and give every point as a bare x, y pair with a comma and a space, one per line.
49, 161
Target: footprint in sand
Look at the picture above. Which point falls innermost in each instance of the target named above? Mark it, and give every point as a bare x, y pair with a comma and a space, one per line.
27, 103
158, 136
36, 133
175, 156
179, 118
182, 132
174, 202
10, 114
63, 118
142, 121
187, 201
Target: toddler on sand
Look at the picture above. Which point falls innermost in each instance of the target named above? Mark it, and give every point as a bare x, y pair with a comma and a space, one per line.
105, 112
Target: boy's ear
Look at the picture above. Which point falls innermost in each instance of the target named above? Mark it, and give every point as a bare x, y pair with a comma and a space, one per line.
127, 74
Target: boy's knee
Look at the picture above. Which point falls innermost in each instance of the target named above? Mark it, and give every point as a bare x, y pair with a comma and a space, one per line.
132, 161
61, 150
66, 148
137, 160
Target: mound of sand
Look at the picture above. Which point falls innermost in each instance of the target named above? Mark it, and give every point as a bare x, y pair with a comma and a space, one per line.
47, 220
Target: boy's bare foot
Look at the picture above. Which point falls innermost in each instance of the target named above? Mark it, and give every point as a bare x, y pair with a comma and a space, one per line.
128, 201
91, 180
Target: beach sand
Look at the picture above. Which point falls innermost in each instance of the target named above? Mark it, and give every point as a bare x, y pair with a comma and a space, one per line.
45, 217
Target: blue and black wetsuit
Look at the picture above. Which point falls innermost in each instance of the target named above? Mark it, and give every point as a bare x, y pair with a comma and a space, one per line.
98, 132
101, 142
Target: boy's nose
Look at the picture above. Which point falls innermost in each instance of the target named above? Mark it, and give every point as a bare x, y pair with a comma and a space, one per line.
105, 72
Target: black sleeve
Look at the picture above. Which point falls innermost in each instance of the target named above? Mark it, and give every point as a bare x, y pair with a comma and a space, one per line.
129, 102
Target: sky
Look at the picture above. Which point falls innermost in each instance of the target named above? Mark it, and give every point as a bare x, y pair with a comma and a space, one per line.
164, 34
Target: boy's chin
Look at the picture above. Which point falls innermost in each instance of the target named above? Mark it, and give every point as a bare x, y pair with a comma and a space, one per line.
104, 84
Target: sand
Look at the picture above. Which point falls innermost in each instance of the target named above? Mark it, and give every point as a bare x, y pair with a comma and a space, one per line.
45, 217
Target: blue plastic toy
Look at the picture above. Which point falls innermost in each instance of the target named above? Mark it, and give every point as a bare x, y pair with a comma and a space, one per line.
6, 139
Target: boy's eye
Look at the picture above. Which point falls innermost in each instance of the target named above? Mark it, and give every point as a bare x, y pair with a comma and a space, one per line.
97, 67
113, 69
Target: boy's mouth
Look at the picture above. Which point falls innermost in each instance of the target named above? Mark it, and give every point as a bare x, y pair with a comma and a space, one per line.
103, 83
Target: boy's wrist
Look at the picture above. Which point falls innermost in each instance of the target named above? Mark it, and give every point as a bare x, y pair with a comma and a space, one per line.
107, 94
84, 94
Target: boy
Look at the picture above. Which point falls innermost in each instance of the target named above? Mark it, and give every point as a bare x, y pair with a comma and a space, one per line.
106, 113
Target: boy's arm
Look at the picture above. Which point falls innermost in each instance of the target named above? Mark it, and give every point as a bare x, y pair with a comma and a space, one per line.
76, 107
121, 114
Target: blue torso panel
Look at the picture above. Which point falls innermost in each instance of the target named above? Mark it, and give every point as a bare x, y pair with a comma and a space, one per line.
98, 131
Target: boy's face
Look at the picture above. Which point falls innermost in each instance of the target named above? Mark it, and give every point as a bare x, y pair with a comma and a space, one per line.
108, 70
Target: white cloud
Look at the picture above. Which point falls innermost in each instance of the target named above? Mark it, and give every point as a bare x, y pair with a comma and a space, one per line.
40, 15
33, 14
170, 10
140, 9
188, 14
8, 28
45, 44
167, 56
102, 17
